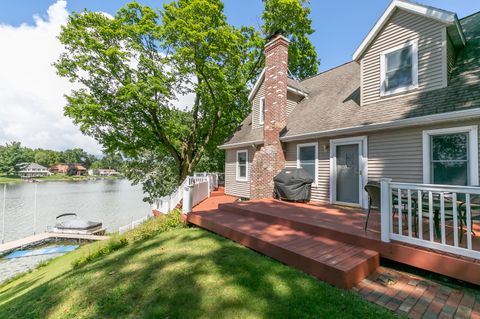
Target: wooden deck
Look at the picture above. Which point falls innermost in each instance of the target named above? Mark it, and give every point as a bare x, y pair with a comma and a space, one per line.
323, 240
32, 240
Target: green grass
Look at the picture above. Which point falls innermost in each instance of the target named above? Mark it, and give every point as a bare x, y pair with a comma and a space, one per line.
9, 179
180, 273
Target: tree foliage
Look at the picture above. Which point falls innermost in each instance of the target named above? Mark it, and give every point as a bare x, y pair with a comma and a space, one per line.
157, 174
14, 156
132, 67
292, 16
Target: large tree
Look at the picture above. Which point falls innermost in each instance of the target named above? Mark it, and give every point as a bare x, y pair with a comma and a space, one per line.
14, 157
292, 17
132, 67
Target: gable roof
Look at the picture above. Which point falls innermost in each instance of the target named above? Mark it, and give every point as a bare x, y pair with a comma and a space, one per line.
334, 98
35, 166
443, 16
292, 85
332, 106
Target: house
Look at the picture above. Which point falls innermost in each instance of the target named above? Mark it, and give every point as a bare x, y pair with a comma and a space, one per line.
33, 170
407, 107
68, 169
405, 112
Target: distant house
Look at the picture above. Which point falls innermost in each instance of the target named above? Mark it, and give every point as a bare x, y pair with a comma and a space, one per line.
68, 169
102, 172
33, 170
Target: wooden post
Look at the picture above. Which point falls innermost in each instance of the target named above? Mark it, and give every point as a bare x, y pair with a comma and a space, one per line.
3, 212
386, 205
35, 210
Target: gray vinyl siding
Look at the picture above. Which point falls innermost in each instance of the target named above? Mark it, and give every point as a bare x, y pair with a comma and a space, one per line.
256, 106
451, 55
232, 186
395, 154
321, 191
292, 101
403, 27
398, 154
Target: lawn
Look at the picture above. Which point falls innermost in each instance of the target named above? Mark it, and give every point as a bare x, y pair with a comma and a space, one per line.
182, 273
9, 179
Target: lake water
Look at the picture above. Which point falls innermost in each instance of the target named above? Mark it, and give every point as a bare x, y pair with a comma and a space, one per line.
113, 202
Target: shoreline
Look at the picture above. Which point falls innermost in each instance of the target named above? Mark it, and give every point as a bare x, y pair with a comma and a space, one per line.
55, 178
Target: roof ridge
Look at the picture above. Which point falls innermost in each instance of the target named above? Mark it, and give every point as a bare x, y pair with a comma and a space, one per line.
470, 15
328, 70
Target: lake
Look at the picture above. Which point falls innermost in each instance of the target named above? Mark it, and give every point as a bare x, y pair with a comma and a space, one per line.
113, 202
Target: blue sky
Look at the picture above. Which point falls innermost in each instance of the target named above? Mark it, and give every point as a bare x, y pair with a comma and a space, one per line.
340, 24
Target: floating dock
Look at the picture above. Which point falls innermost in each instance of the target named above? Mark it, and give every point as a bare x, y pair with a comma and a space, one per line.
46, 237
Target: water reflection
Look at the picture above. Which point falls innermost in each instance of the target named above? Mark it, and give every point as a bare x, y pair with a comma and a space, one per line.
114, 202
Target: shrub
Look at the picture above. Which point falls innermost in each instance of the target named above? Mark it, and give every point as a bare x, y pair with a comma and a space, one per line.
156, 225
101, 249
144, 231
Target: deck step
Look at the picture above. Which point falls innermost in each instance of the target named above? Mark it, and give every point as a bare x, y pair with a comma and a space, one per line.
304, 219
337, 263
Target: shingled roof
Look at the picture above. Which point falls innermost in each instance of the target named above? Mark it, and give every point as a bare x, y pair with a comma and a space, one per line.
333, 101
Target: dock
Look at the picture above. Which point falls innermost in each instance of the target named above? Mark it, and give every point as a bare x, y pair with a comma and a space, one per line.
46, 237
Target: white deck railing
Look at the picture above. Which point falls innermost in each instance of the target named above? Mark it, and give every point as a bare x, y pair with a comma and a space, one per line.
433, 216
203, 184
201, 192
168, 203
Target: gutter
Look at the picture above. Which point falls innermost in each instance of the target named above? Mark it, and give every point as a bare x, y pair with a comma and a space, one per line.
414, 121
241, 144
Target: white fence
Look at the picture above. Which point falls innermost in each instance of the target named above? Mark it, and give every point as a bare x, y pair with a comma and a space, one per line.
133, 224
433, 216
203, 184
168, 203
201, 192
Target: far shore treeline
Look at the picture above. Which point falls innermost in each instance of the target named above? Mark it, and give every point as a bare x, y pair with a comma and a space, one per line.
13, 156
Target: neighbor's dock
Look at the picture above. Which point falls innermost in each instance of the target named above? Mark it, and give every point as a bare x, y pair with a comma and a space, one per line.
44, 237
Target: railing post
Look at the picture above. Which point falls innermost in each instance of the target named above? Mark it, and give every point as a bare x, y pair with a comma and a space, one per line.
209, 184
187, 198
386, 205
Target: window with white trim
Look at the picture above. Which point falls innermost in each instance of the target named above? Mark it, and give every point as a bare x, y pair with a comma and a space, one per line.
451, 156
399, 68
261, 111
242, 165
307, 158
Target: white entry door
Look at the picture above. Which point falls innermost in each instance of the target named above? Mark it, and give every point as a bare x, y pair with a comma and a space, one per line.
348, 171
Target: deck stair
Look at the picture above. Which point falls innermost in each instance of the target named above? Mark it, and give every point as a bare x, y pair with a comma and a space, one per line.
338, 263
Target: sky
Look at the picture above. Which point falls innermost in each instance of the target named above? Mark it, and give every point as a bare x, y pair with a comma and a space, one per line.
31, 94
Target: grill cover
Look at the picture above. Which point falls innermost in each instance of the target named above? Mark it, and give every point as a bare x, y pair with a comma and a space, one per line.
293, 184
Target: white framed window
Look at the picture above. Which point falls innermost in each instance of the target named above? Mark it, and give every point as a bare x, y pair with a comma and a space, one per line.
307, 158
399, 69
450, 156
261, 111
242, 165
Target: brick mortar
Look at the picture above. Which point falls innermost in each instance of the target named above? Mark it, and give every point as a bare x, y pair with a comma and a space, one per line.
269, 159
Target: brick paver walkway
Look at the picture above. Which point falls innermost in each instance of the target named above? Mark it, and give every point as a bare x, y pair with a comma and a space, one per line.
417, 297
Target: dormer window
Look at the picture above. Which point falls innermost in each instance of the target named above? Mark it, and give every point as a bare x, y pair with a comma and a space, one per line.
261, 111
399, 68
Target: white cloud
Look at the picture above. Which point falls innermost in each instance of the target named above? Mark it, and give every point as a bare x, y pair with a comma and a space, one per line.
31, 93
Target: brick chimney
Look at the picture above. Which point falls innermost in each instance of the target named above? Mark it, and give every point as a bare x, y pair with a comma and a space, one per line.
270, 159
